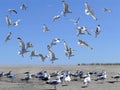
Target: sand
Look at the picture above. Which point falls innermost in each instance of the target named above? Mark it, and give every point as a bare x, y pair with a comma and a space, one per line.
17, 84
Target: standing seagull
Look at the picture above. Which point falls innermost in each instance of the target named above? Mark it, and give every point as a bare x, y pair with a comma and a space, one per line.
65, 8
8, 20
23, 48
12, 11
80, 42
52, 56
97, 31
107, 10
23, 7
88, 11
8, 37
45, 28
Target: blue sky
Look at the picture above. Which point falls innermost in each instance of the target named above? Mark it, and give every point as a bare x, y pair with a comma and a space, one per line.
39, 12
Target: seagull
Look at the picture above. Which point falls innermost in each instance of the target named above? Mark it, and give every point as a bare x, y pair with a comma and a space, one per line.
23, 7
117, 76
54, 82
56, 17
103, 76
16, 23
80, 31
88, 11
52, 56
43, 57
8, 37
33, 54
97, 31
55, 41
80, 42
12, 11
29, 45
8, 20
85, 30
65, 8
107, 10
23, 48
45, 28
76, 22
87, 80
68, 51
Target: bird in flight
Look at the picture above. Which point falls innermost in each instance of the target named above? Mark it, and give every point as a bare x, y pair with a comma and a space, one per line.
8, 37
65, 8
81, 42
89, 11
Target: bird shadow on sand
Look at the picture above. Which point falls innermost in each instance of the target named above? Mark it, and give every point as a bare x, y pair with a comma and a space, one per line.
112, 82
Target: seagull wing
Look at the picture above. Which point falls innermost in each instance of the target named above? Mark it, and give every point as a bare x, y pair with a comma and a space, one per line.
8, 21
22, 45
8, 37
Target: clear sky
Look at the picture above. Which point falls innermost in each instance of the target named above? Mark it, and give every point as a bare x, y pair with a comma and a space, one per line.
105, 46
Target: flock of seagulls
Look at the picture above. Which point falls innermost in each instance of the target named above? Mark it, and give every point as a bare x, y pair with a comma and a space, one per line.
62, 77
51, 55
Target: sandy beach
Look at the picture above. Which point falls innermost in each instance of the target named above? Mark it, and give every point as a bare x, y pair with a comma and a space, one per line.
35, 84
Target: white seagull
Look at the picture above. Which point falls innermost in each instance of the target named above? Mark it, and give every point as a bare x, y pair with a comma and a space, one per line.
8, 20
16, 23
8, 37
55, 41
12, 11
87, 80
97, 31
56, 17
23, 48
65, 8
107, 10
81, 42
23, 7
88, 11
45, 28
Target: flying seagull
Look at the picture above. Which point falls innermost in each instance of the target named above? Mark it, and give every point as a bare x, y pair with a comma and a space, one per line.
23, 7
82, 30
68, 51
8, 37
65, 8
56, 17
55, 41
88, 11
29, 45
23, 48
97, 31
107, 10
8, 20
43, 57
16, 23
75, 21
81, 42
45, 28
33, 54
52, 56
12, 11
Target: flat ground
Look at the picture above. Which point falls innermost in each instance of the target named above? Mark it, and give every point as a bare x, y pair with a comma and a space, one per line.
17, 84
